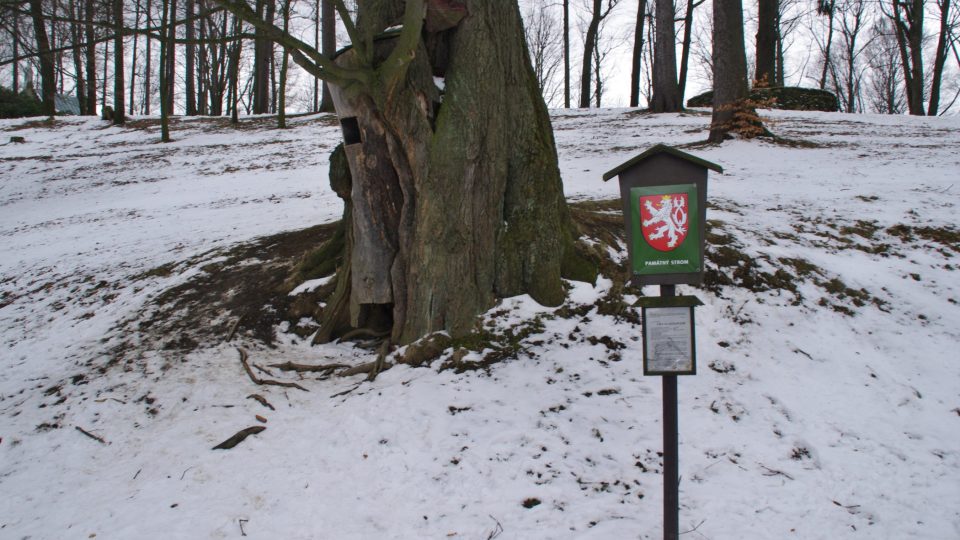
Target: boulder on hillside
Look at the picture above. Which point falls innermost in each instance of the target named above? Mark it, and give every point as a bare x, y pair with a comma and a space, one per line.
791, 98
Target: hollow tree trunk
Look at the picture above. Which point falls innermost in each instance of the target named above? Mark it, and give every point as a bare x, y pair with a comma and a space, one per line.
451, 210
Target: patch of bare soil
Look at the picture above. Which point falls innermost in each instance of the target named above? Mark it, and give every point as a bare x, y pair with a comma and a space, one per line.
242, 291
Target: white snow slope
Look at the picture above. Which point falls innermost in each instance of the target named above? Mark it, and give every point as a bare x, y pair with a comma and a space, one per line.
829, 412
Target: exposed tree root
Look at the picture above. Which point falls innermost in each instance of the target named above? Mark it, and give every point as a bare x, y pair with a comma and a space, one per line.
359, 370
238, 437
304, 368
372, 369
257, 380
364, 333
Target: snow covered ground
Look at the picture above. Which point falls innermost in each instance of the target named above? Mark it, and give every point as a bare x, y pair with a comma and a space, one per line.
826, 408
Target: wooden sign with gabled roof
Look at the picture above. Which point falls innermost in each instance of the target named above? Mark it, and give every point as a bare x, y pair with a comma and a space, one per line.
664, 195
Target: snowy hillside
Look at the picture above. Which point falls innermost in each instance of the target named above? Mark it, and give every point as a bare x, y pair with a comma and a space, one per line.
826, 405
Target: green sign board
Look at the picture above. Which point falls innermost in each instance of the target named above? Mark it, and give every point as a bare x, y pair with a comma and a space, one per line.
665, 229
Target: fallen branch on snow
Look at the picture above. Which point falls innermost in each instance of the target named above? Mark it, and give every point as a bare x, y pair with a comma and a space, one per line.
774, 472
258, 380
238, 437
261, 400
91, 435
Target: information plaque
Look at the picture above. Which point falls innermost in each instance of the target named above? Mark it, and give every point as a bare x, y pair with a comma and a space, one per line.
669, 346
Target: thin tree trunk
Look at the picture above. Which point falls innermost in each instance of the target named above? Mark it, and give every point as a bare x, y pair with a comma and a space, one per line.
260, 63
685, 51
916, 58
636, 63
566, 53
165, 21
77, 58
133, 60
172, 59
589, 43
940, 58
16, 54
271, 97
666, 92
329, 37
91, 51
103, 89
829, 10
190, 87
48, 76
205, 74
147, 69
118, 84
282, 94
57, 65
316, 45
779, 81
235, 74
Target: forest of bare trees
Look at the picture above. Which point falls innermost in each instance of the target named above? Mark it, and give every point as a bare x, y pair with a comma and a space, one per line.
191, 57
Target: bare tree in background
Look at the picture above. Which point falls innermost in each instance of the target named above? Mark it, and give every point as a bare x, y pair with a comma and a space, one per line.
636, 63
598, 12
885, 84
544, 41
945, 37
686, 45
907, 17
827, 9
847, 71
789, 19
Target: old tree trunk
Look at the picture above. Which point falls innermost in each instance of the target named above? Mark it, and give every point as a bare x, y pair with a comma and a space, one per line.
456, 197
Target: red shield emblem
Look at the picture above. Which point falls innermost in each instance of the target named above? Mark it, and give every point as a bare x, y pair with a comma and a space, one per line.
663, 220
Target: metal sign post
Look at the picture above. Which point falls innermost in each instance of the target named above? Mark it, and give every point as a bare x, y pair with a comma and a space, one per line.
671, 447
664, 196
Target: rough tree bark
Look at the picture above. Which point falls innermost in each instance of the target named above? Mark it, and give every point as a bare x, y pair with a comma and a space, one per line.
118, 83
666, 92
454, 203
729, 67
767, 16
48, 77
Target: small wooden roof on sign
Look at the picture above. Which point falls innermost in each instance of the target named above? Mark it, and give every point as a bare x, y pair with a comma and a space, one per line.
661, 149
